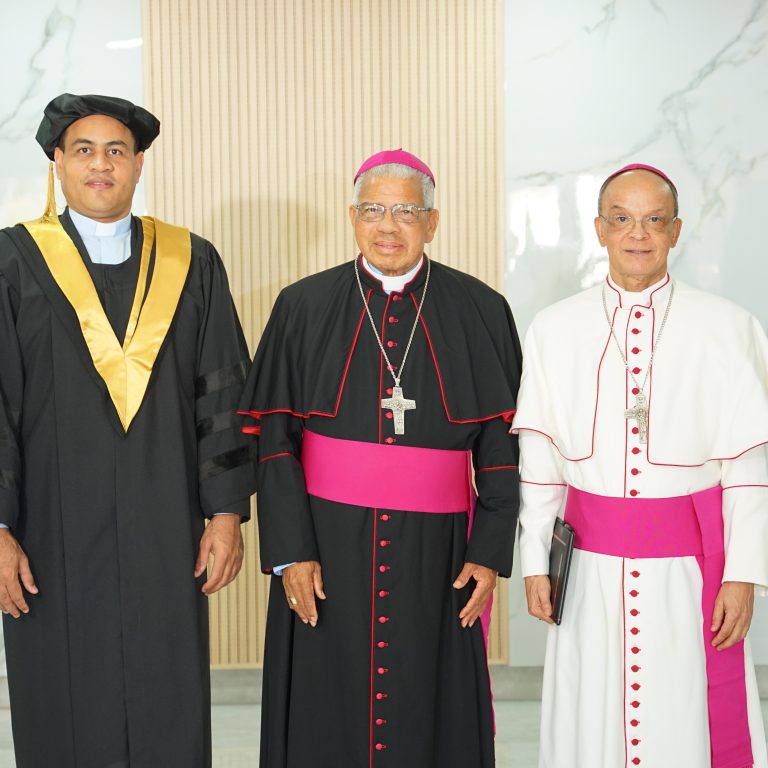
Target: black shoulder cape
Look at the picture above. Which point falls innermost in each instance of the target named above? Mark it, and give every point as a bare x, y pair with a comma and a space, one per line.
301, 362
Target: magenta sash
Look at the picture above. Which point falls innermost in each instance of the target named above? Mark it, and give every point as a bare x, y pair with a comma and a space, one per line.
386, 476
678, 527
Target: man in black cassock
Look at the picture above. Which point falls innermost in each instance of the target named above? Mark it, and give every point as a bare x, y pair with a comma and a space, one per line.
122, 363
372, 422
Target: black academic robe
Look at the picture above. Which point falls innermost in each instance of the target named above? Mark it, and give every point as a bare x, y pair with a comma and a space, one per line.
411, 691
110, 668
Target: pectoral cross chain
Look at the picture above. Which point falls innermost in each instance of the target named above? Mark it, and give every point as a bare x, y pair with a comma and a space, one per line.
398, 405
640, 414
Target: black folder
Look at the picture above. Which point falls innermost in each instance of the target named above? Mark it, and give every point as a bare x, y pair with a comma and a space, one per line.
560, 554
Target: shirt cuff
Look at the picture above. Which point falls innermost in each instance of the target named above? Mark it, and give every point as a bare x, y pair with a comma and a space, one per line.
278, 569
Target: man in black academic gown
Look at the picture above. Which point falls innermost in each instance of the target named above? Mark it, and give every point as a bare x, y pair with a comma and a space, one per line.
372, 421
122, 363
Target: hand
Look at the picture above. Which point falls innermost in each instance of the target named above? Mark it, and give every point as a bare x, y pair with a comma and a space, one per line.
223, 540
538, 591
303, 582
486, 583
733, 613
14, 565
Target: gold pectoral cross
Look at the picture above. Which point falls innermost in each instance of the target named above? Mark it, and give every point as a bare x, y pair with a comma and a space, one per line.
640, 414
398, 405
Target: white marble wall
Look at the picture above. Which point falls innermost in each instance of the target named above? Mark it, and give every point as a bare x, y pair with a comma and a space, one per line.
48, 47
596, 84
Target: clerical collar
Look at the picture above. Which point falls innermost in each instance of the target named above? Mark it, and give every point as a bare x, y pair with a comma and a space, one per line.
393, 283
645, 298
90, 228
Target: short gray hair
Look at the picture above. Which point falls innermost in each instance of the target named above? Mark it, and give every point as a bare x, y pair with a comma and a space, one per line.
397, 171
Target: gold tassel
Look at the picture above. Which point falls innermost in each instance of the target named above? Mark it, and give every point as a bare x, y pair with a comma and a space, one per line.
50, 206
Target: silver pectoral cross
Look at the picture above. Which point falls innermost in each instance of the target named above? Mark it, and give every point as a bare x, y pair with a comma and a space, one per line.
398, 405
640, 414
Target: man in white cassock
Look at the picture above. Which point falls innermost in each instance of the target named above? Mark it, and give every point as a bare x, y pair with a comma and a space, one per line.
643, 411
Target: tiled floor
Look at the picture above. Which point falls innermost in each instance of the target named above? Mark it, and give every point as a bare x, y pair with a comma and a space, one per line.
236, 740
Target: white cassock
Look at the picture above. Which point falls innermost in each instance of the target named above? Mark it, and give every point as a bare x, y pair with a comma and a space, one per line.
605, 705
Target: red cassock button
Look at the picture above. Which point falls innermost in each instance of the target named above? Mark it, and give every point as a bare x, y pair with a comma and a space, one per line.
635, 331
635, 574
635, 668
392, 319
635, 631
635, 350
636, 760
389, 416
635, 391
634, 704
634, 723
385, 542
635, 471
638, 314
382, 644
391, 343
635, 649
635, 430
389, 390
384, 517
383, 619
396, 297
383, 593
636, 370
380, 721
635, 686
633, 492
634, 612
381, 746
634, 593
635, 742
635, 451
380, 696
382, 670
389, 440
383, 568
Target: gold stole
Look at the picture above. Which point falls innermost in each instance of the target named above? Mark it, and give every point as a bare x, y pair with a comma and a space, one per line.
125, 370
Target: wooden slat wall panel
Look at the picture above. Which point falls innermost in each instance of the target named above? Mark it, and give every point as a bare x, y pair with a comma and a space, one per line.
268, 107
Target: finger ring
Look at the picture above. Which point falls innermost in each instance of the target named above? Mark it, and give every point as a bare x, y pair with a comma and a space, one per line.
292, 600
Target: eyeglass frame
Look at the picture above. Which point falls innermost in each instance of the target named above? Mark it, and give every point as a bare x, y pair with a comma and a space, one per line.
633, 220
393, 210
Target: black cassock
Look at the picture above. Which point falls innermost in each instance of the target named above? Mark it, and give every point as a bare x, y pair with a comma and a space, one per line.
110, 668
388, 677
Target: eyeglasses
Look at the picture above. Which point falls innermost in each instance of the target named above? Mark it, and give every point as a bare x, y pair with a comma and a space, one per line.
405, 213
620, 222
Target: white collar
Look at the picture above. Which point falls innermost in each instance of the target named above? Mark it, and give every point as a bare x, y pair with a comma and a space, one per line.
393, 283
645, 298
91, 228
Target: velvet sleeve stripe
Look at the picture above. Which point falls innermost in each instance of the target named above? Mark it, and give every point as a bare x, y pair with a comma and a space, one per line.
9, 480
221, 379
229, 460
216, 423
6, 437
